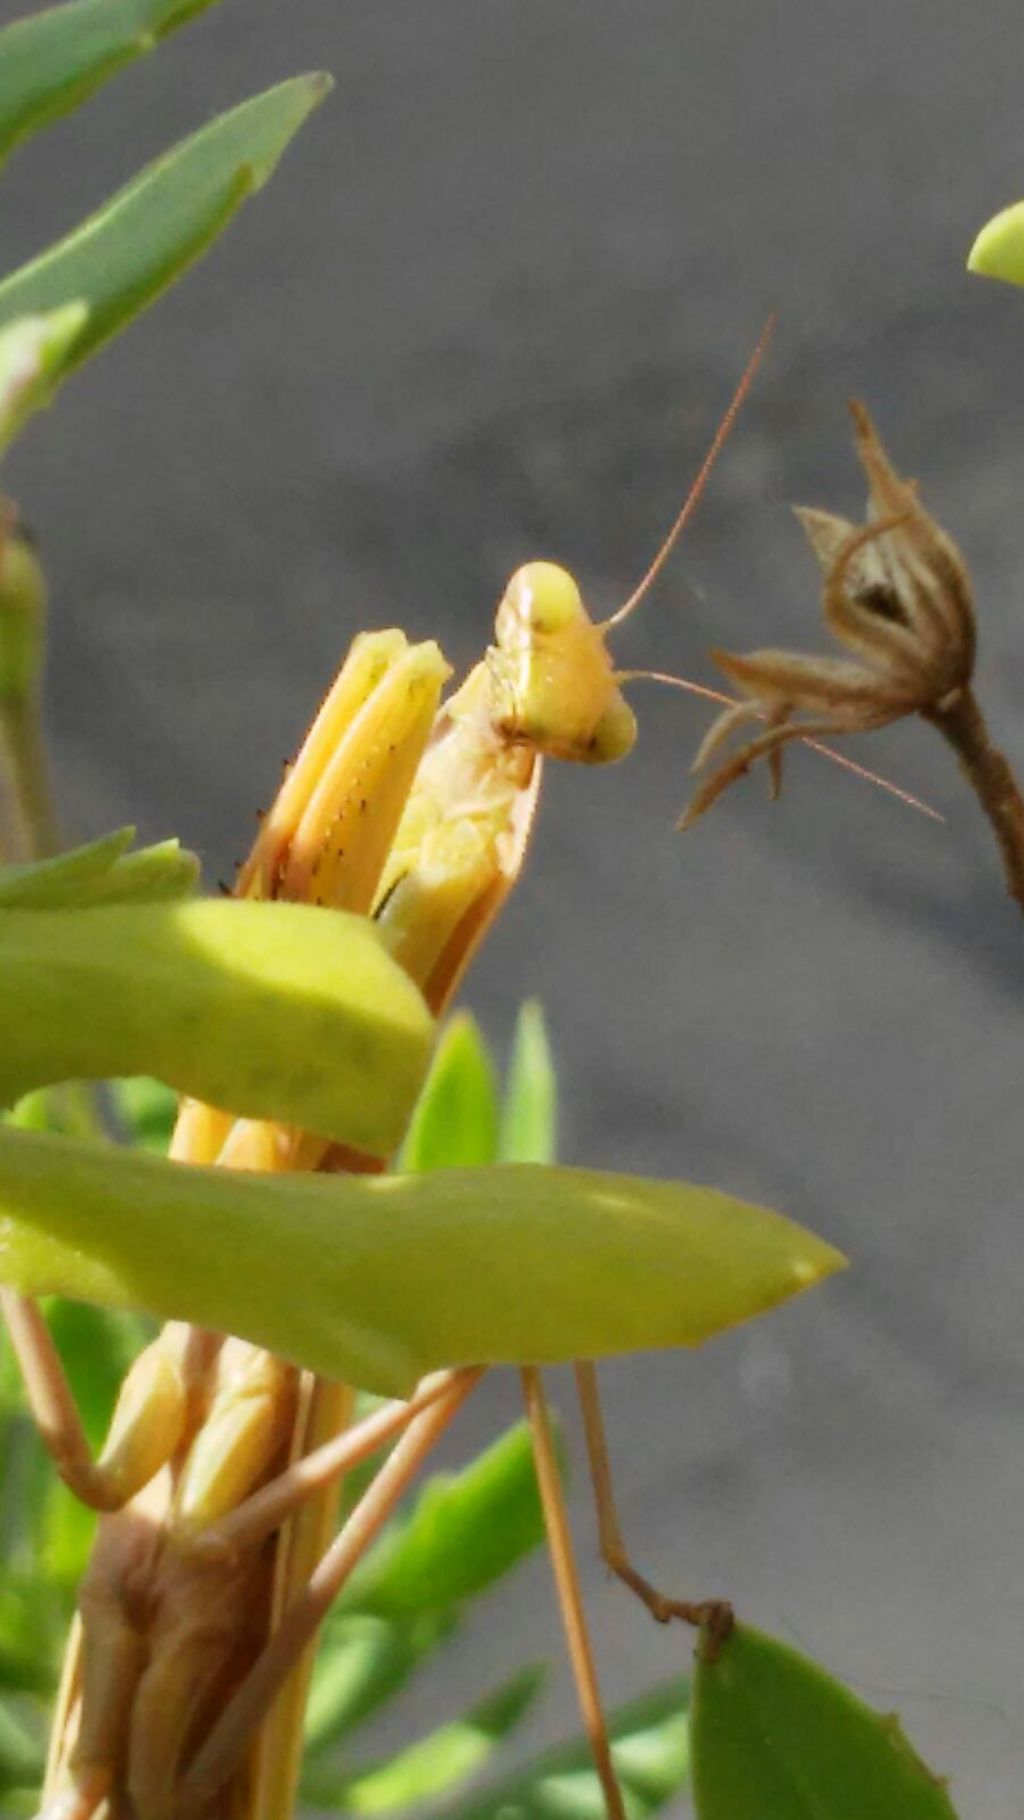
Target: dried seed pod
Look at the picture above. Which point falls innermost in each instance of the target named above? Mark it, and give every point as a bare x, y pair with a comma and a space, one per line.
895, 594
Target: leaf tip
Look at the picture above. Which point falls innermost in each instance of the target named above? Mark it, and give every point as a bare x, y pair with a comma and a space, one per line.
998, 250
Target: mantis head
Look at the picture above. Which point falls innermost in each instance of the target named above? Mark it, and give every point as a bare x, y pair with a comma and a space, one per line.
551, 673
552, 683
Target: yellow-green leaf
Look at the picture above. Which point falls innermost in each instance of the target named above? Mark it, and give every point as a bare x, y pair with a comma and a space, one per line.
455, 1123
529, 1114
53, 60
33, 350
104, 872
377, 1280
998, 251
272, 1010
146, 235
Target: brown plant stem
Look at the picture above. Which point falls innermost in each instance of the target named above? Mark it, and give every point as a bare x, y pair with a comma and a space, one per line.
962, 724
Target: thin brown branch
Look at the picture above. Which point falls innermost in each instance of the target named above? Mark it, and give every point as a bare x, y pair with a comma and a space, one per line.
961, 722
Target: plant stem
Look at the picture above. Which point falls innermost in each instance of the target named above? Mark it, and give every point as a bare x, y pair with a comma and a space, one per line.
963, 725
22, 730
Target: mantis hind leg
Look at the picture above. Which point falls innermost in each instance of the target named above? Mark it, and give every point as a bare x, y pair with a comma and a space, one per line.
713, 1616
569, 1594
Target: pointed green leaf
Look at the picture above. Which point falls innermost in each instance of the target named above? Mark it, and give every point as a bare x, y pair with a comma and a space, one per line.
529, 1123
272, 1010
122, 257
435, 1764
377, 1280
998, 251
159, 874
52, 61
49, 884
103, 872
772, 1733
649, 1747
465, 1531
455, 1123
33, 352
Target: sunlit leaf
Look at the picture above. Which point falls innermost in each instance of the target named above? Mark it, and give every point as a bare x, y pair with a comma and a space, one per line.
998, 251
455, 1123
529, 1121
376, 1280
772, 1733
53, 60
104, 872
145, 236
273, 1010
650, 1752
435, 1764
33, 352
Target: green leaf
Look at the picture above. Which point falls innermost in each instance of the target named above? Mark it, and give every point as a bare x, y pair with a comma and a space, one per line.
103, 872
529, 1124
998, 251
146, 1111
650, 1752
435, 1764
378, 1280
465, 1531
272, 1010
363, 1662
455, 1123
52, 61
33, 352
145, 236
772, 1733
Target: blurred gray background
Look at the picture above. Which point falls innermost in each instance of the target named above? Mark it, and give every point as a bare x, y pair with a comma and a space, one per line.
491, 308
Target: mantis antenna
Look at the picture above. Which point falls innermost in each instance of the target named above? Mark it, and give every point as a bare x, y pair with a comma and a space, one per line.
815, 745
688, 506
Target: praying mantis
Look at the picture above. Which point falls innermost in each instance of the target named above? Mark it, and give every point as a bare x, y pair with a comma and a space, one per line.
218, 1486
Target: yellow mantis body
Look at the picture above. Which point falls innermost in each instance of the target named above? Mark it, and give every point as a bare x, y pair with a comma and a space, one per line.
419, 814
185, 1677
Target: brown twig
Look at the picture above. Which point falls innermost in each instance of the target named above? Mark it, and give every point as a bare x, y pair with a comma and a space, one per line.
961, 722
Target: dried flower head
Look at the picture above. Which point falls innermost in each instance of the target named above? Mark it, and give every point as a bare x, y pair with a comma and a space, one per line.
895, 593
